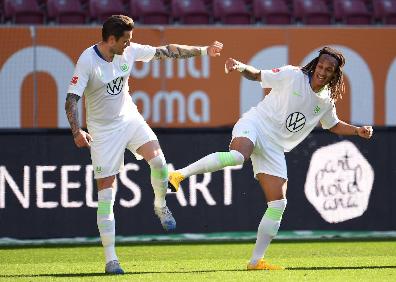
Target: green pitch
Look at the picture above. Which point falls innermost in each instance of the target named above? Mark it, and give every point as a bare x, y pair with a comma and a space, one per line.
308, 261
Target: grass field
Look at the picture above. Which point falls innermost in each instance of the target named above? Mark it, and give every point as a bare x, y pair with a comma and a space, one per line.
305, 261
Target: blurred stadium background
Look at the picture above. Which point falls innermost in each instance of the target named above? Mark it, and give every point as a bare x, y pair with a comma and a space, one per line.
47, 194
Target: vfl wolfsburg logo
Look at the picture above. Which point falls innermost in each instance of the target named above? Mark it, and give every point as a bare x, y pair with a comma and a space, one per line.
295, 122
98, 169
115, 86
124, 67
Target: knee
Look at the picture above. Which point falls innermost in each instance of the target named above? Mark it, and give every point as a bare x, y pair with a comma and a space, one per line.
157, 162
106, 182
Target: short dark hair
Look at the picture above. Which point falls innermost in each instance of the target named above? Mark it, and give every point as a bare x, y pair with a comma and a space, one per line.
336, 85
116, 25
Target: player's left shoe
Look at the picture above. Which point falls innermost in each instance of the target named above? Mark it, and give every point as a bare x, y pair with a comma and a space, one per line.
174, 180
167, 220
113, 267
263, 265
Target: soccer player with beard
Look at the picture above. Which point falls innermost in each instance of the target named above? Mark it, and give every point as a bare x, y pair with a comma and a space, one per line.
299, 99
114, 123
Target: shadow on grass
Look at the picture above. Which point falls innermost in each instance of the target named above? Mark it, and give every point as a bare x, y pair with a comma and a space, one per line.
342, 267
93, 274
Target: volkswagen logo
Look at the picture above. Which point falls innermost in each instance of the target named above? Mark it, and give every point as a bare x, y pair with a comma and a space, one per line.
295, 122
115, 86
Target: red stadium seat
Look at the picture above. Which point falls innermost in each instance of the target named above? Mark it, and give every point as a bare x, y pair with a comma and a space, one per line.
66, 11
1, 11
231, 11
351, 12
271, 11
100, 10
149, 11
190, 11
23, 11
84, 2
385, 11
311, 12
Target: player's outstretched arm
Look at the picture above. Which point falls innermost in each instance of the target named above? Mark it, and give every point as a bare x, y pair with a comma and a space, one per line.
81, 138
247, 71
177, 51
343, 128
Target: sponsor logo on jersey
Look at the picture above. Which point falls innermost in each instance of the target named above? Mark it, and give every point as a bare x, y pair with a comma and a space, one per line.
74, 80
295, 122
115, 86
124, 67
316, 110
275, 70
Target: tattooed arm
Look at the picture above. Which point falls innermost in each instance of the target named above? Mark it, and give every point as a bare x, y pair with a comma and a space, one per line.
246, 71
81, 138
72, 112
176, 51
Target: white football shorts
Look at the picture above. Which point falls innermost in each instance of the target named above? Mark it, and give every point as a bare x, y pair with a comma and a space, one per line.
107, 150
267, 157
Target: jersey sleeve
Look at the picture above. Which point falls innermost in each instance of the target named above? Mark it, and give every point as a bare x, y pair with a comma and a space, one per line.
330, 118
276, 77
142, 53
80, 77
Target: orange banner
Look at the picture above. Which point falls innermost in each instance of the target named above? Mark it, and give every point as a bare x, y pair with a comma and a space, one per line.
36, 65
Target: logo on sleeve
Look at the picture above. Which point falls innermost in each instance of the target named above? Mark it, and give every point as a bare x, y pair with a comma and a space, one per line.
124, 67
115, 86
316, 110
295, 122
74, 80
275, 70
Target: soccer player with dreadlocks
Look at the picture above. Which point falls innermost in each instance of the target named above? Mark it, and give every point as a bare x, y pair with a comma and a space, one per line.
299, 99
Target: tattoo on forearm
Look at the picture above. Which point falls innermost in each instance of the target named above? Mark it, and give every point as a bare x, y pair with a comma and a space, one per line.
72, 112
177, 52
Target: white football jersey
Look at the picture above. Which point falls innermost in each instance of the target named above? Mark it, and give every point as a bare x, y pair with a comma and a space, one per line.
105, 86
292, 109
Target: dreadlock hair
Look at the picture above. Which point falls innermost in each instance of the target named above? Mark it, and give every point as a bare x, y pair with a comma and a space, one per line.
336, 85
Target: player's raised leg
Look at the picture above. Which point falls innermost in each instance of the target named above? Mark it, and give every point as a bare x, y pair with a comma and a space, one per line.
275, 192
240, 150
152, 153
106, 223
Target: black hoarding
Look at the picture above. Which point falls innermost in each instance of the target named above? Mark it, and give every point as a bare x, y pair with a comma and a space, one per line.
47, 188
